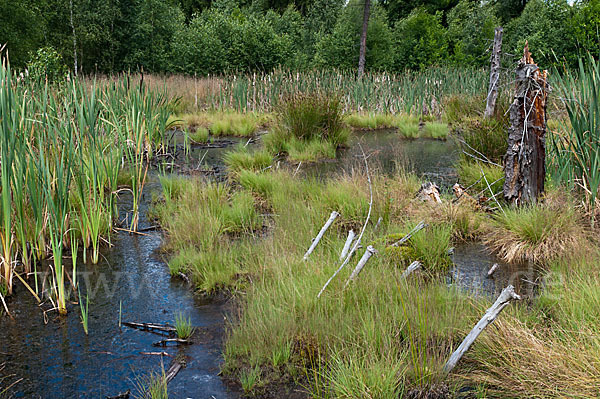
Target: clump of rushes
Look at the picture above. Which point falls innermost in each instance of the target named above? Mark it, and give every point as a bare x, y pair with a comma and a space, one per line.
435, 130
200, 135
370, 121
183, 326
250, 379
242, 158
408, 129
538, 233
308, 125
153, 386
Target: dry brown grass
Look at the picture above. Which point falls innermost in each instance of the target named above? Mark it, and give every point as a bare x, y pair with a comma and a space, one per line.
539, 233
519, 361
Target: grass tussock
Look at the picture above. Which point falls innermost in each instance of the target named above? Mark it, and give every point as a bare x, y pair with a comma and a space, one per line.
207, 224
308, 127
243, 158
539, 233
435, 130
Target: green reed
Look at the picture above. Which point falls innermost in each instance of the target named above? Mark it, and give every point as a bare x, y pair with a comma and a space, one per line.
407, 92
62, 148
576, 151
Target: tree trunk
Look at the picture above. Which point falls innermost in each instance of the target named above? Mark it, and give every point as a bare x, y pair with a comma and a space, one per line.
363, 39
494, 74
74, 41
524, 162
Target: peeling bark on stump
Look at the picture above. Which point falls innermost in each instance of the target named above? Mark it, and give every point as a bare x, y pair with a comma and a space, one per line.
524, 162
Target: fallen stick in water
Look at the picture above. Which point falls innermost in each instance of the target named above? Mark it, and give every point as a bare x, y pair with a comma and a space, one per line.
332, 217
166, 328
492, 270
407, 237
411, 268
156, 354
346, 248
124, 395
176, 365
177, 341
506, 296
361, 264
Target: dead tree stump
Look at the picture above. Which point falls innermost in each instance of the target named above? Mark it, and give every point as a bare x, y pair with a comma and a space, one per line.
524, 162
490, 105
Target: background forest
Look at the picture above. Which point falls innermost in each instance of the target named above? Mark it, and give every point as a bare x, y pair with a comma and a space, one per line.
219, 36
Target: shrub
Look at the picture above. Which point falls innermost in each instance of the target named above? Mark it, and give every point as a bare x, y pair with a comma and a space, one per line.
47, 63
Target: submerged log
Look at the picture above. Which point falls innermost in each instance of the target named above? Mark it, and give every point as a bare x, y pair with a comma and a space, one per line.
176, 341
124, 395
151, 327
492, 270
508, 294
490, 105
329, 222
174, 368
429, 192
524, 162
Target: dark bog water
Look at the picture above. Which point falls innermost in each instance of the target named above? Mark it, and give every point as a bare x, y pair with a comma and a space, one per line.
430, 159
471, 265
58, 360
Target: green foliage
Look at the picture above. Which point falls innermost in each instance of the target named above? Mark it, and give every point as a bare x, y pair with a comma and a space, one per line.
470, 29
47, 64
420, 40
340, 48
549, 27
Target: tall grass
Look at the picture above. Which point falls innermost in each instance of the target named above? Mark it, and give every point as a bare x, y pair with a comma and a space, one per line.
61, 149
308, 127
576, 150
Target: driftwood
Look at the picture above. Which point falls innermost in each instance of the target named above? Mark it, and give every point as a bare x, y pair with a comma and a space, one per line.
124, 395
362, 231
346, 248
525, 159
176, 341
507, 295
156, 354
490, 106
416, 265
492, 270
361, 263
313, 245
429, 192
151, 327
407, 237
174, 368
